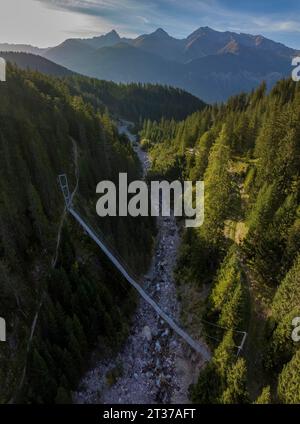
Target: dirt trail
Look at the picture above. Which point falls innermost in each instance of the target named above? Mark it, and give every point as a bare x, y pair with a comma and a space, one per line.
155, 365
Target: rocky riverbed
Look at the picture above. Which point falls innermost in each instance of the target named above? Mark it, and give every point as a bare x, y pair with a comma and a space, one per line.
155, 366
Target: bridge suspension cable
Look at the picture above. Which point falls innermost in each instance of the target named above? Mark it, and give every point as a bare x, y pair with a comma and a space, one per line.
201, 349
117, 262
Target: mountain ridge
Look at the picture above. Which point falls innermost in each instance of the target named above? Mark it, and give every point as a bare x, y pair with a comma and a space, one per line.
34, 62
238, 61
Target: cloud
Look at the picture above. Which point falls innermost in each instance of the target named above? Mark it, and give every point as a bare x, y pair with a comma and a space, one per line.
35, 24
118, 9
143, 19
129, 16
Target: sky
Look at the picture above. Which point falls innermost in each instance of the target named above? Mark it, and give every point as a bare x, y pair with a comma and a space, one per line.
47, 23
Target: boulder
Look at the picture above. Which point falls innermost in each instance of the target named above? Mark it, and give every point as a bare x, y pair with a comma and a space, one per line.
147, 333
157, 346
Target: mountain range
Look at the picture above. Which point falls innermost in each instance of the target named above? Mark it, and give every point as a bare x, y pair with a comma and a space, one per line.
210, 64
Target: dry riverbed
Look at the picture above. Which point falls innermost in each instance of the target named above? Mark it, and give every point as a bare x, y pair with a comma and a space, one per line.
154, 366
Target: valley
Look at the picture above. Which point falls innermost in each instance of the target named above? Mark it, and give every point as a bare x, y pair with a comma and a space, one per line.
76, 331
154, 366
149, 209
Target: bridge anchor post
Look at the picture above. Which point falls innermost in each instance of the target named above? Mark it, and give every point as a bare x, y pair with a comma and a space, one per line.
242, 344
64, 185
2, 330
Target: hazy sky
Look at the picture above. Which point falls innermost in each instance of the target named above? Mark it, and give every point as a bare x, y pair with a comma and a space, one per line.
49, 22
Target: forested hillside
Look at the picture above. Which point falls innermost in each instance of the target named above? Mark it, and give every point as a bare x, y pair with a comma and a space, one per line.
33, 62
134, 102
60, 298
241, 269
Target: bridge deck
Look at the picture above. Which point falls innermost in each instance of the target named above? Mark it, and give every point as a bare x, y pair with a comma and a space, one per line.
201, 349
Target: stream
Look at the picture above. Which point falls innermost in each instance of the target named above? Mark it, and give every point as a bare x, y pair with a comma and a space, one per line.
157, 367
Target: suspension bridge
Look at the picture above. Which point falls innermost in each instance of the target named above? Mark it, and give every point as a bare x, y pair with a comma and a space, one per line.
117, 262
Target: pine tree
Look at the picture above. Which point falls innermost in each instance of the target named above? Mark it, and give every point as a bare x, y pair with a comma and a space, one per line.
288, 389
63, 397
224, 355
218, 189
288, 294
236, 392
265, 396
